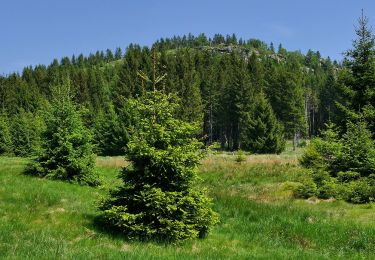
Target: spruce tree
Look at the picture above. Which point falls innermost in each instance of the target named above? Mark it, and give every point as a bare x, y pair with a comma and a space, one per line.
110, 133
262, 133
67, 150
358, 152
358, 79
191, 107
159, 198
342, 166
5, 136
237, 95
26, 128
286, 94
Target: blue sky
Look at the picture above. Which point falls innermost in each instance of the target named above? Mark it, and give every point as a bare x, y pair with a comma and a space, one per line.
36, 31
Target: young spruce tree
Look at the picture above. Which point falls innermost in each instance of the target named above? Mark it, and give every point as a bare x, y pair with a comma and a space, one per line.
159, 198
358, 79
66, 150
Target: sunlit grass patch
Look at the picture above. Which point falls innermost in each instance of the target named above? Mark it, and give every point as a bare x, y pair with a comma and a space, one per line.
111, 162
259, 218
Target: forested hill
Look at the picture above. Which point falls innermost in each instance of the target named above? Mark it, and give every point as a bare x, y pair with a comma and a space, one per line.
219, 81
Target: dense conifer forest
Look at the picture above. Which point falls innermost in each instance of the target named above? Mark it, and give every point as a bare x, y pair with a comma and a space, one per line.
230, 87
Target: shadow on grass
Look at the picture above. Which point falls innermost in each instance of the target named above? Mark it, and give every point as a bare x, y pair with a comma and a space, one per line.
99, 225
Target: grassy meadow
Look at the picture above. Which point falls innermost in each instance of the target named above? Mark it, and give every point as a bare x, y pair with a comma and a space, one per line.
259, 218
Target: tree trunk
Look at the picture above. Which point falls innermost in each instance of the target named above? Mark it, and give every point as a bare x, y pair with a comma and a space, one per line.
295, 141
210, 125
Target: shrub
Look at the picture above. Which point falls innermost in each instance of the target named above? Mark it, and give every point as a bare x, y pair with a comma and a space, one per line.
323, 152
320, 176
343, 167
359, 192
66, 151
328, 189
240, 156
347, 176
302, 144
371, 179
159, 199
306, 190
358, 153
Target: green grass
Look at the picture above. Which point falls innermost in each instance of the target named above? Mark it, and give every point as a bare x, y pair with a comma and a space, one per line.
259, 218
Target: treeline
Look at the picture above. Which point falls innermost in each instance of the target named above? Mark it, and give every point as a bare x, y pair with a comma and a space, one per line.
244, 94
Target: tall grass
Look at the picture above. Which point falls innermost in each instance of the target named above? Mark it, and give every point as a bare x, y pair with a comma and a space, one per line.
259, 218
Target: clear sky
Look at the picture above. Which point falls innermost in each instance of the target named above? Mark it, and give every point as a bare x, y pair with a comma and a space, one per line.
36, 31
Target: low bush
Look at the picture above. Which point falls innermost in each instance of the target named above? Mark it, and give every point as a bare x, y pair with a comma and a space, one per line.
348, 176
306, 189
240, 156
328, 189
342, 167
358, 191
302, 144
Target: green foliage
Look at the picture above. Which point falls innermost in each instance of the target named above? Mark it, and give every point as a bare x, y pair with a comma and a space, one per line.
343, 167
240, 156
67, 150
306, 190
111, 132
159, 199
5, 136
347, 176
323, 151
237, 99
214, 78
320, 177
359, 191
26, 129
286, 95
358, 152
357, 95
328, 189
262, 132
302, 144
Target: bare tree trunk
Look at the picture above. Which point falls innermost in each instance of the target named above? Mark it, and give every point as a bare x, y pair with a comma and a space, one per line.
239, 136
307, 114
230, 141
210, 122
313, 122
295, 141
222, 139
